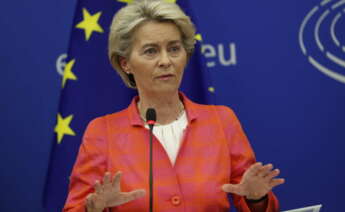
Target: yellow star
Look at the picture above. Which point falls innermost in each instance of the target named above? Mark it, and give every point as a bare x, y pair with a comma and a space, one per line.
198, 37
62, 127
90, 23
211, 89
68, 74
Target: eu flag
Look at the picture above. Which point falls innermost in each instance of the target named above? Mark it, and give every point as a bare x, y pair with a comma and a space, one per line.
91, 88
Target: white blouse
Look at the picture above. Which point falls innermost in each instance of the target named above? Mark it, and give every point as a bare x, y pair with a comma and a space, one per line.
171, 135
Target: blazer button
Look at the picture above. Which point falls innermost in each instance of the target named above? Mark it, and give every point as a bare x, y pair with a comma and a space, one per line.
176, 200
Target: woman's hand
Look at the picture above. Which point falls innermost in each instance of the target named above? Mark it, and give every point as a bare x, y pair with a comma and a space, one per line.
109, 194
256, 182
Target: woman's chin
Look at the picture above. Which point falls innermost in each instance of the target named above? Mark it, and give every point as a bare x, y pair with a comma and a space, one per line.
166, 89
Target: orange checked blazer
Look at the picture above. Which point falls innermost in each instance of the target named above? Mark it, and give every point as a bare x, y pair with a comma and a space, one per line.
214, 151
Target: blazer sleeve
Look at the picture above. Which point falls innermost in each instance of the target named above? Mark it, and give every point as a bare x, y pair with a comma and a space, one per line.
90, 166
242, 157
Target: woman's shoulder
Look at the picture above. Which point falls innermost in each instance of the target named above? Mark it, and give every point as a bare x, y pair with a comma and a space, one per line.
116, 118
208, 108
222, 110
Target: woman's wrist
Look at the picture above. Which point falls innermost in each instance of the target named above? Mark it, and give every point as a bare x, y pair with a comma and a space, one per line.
93, 210
249, 200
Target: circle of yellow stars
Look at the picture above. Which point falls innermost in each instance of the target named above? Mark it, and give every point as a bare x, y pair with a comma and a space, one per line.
89, 24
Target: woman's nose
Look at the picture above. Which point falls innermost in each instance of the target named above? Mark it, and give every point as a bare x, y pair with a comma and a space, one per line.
164, 60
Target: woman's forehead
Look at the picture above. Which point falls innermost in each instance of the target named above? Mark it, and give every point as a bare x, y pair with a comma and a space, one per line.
155, 33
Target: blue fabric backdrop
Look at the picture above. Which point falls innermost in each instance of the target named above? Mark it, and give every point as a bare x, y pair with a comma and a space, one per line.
278, 64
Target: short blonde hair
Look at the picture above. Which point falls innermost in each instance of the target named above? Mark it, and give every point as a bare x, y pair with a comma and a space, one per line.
130, 17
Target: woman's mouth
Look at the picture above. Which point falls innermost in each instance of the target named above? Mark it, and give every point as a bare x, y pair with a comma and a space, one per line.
165, 76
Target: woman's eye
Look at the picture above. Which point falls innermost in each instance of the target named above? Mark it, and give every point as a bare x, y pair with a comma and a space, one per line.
150, 51
175, 49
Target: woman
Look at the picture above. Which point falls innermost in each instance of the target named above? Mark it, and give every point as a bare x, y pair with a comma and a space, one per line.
200, 151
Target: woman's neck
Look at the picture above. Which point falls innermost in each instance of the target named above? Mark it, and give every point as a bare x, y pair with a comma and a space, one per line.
168, 106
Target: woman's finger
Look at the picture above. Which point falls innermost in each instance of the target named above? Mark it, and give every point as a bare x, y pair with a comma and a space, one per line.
272, 174
89, 201
98, 187
107, 178
233, 188
265, 170
276, 181
132, 195
116, 180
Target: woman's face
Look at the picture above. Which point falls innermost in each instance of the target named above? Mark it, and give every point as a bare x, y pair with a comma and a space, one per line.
157, 59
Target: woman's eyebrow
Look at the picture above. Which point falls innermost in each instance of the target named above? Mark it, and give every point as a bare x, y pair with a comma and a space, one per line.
174, 42
149, 45
156, 45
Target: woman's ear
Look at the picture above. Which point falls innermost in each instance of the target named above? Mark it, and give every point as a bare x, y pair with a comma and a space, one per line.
124, 64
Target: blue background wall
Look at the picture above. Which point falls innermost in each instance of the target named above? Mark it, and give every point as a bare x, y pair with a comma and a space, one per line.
293, 114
